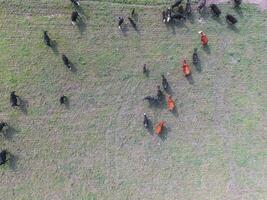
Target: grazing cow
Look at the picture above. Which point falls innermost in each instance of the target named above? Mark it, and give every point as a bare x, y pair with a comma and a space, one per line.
66, 61
165, 83
160, 94
132, 22
195, 57
177, 3
74, 17
201, 5
146, 121
188, 9
216, 11
170, 103
121, 20
3, 157
3, 125
164, 16
14, 99
63, 99
237, 3
152, 100
159, 127
230, 19
204, 38
168, 14
46, 39
145, 70
75, 2
178, 16
133, 12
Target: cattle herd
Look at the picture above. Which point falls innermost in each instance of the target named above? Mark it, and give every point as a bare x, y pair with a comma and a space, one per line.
175, 12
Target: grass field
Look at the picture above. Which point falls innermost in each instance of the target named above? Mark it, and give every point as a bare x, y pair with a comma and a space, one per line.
213, 148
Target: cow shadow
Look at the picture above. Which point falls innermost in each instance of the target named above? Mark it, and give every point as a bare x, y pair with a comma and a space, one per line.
239, 11
198, 66
169, 90
175, 112
217, 19
54, 47
124, 29
233, 28
9, 133
164, 133
190, 79
24, 104
13, 159
81, 26
191, 18
150, 127
207, 49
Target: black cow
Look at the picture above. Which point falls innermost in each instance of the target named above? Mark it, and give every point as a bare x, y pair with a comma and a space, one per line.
145, 121
195, 57
168, 14
75, 2
74, 17
66, 61
165, 83
145, 70
133, 12
121, 20
216, 11
177, 3
3, 157
47, 39
132, 22
201, 4
164, 17
14, 99
160, 94
188, 9
63, 99
230, 19
237, 3
3, 125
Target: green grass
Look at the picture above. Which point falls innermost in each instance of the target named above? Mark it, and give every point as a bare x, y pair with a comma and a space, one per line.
215, 147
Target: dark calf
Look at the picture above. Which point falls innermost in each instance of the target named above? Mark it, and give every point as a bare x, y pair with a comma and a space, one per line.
66, 61
47, 39
231, 19
195, 57
145, 121
145, 70
3, 157
74, 17
75, 2
63, 99
121, 20
165, 83
216, 11
14, 99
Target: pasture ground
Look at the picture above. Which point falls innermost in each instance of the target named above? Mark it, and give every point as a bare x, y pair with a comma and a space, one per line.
214, 146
